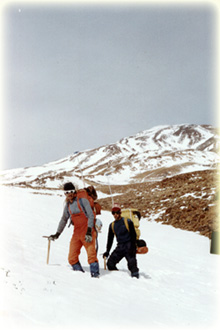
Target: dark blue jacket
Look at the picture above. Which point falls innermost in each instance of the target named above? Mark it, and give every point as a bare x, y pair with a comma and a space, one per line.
121, 233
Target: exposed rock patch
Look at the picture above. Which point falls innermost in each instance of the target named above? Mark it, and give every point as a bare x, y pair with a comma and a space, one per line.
186, 201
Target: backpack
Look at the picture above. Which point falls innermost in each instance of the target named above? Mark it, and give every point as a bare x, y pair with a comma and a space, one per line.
135, 217
90, 194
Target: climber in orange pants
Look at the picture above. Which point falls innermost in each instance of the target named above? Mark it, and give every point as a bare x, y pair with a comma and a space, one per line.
84, 234
78, 239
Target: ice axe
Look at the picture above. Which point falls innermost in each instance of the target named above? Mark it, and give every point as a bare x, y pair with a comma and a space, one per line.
104, 263
48, 248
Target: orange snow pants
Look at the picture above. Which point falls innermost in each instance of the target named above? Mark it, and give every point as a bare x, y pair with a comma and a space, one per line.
78, 239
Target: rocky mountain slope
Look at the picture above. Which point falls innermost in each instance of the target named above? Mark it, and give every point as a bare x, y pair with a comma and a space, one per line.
188, 201
168, 172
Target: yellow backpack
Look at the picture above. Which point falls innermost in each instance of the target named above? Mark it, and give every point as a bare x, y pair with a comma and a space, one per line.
133, 215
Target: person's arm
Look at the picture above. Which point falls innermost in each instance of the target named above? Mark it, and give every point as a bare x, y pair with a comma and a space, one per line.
86, 207
132, 231
62, 223
63, 220
133, 236
110, 240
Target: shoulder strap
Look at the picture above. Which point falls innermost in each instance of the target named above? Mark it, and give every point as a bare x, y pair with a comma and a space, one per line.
126, 223
80, 205
69, 209
113, 223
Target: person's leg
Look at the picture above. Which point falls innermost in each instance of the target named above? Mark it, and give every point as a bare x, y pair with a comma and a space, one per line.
132, 261
74, 252
92, 255
115, 257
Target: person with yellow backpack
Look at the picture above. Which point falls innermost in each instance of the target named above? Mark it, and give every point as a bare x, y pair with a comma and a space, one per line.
126, 243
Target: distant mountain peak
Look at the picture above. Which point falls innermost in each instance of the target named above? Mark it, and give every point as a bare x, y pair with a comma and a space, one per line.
154, 154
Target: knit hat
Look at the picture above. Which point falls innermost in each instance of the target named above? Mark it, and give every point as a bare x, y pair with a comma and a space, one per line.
116, 208
68, 186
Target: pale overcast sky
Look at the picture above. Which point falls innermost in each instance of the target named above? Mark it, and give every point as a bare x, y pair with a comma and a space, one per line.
79, 77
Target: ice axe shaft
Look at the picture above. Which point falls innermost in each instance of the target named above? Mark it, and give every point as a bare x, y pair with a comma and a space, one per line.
48, 248
104, 261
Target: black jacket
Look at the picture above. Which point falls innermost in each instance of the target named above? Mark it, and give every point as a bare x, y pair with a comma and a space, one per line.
121, 233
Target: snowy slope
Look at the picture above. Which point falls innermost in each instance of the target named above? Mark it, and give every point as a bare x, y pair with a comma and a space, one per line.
178, 286
149, 155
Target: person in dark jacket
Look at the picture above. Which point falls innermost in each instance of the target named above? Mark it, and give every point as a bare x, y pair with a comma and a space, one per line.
126, 243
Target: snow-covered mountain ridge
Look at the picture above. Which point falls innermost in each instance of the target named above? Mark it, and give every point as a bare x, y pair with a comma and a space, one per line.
150, 155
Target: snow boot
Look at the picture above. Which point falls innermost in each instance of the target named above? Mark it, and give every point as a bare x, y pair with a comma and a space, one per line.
94, 269
136, 274
78, 266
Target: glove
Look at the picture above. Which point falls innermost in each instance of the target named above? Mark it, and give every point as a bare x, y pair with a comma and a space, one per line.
105, 255
88, 236
55, 236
